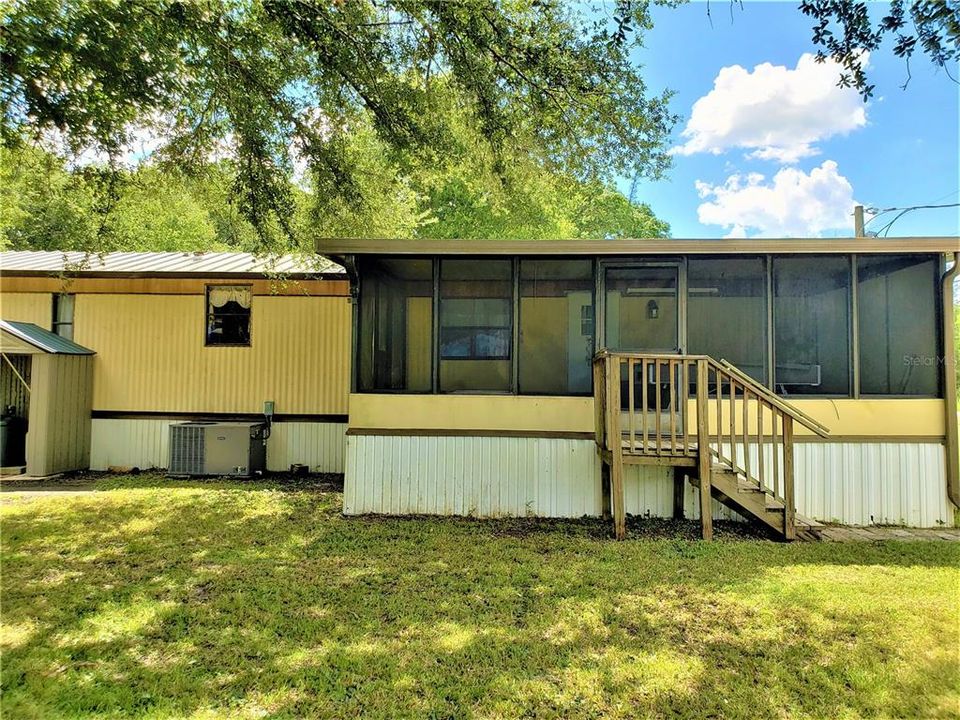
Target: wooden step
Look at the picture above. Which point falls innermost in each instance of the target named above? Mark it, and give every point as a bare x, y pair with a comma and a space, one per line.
746, 498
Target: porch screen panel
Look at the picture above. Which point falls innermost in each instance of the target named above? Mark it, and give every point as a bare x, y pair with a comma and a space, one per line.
727, 311
898, 323
476, 325
396, 325
556, 327
811, 308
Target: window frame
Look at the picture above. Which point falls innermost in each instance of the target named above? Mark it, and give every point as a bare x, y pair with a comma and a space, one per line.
56, 324
594, 269
512, 359
938, 270
852, 355
207, 313
358, 329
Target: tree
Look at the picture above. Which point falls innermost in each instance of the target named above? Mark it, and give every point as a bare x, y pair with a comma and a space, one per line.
278, 80
843, 30
46, 206
470, 195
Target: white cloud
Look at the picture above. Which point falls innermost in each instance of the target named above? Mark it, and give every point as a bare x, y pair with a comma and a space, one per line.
792, 204
775, 112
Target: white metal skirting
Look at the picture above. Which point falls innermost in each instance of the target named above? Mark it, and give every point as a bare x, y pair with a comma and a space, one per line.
477, 476
648, 492
873, 483
144, 443
853, 483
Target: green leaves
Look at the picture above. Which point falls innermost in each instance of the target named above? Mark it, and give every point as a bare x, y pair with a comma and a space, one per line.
282, 81
844, 31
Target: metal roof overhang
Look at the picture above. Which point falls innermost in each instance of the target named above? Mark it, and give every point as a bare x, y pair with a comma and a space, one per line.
228, 265
14, 336
339, 248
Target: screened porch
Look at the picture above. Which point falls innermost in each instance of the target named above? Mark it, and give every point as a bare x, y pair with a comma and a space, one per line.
837, 325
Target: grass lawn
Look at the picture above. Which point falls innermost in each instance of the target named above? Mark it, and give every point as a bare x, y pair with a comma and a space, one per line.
163, 598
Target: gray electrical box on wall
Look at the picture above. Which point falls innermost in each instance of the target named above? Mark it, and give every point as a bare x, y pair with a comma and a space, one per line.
217, 448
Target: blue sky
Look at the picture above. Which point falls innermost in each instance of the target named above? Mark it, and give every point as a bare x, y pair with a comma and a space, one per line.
818, 147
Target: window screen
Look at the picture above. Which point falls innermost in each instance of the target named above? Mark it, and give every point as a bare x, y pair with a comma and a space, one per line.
898, 324
396, 325
228, 314
727, 311
476, 325
556, 327
812, 324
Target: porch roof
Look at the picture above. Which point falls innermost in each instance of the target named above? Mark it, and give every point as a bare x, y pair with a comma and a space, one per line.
27, 338
336, 247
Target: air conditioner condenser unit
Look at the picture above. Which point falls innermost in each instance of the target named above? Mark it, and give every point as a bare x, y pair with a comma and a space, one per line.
238, 449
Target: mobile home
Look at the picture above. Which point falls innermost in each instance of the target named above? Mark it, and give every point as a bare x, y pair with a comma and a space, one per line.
799, 380
185, 336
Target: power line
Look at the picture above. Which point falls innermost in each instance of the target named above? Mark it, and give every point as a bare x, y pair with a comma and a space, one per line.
877, 212
903, 211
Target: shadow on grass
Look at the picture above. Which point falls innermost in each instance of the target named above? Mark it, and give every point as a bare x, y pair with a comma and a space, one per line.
241, 600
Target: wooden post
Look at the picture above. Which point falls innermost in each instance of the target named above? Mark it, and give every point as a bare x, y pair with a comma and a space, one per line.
679, 481
858, 221
703, 452
615, 440
605, 490
790, 509
599, 401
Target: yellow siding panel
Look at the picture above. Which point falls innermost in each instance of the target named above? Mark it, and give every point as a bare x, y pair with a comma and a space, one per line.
892, 417
151, 355
844, 417
895, 418
36, 308
472, 412
58, 438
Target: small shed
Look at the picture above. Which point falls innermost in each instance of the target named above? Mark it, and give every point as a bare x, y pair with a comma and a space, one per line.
48, 380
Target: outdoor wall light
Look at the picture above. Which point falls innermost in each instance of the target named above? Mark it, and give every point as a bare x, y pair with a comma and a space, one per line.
653, 310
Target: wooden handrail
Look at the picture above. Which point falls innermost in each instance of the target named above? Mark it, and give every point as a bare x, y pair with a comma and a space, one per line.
772, 398
754, 438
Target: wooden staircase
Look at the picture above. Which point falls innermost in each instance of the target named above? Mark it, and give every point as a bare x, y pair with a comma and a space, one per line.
717, 426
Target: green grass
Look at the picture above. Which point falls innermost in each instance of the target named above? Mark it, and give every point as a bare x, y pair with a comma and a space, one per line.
174, 599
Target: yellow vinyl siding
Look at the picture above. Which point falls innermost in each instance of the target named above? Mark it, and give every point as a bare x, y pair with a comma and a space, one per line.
472, 412
895, 418
58, 437
845, 418
36, 308
151, 355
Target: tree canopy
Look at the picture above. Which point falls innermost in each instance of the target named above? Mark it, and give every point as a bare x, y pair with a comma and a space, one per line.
276, 83
843, 30
46, 206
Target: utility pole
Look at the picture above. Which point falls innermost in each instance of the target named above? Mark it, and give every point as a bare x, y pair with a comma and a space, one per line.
858, 221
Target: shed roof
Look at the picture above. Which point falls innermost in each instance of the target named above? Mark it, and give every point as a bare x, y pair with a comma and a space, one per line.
18, 337
180, 264
338, 248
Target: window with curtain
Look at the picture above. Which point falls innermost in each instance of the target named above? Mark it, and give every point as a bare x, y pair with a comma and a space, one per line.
727, 311
228, 314
476, 325
395, 352
898, 310
63, 307
811, 305
556, 341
